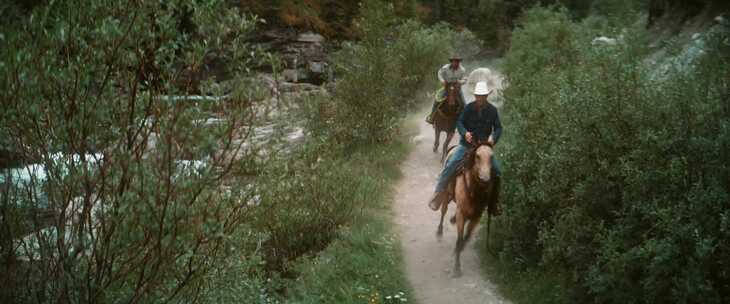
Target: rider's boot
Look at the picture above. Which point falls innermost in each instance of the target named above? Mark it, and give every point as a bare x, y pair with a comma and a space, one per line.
437, 200
495, 208
429, 118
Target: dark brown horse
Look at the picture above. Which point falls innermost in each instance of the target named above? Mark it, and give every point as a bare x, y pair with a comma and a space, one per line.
472, 190
445, 116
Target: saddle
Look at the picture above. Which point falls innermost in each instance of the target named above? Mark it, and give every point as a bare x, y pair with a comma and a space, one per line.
468, 160
443, 107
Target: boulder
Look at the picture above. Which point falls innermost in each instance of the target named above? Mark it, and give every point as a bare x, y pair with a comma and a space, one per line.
310, 38
317, 67
603, 40
291, 75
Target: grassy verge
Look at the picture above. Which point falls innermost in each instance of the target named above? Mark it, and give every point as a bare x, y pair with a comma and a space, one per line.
364, 264
523, 286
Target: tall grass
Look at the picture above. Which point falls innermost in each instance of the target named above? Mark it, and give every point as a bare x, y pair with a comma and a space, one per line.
364, 263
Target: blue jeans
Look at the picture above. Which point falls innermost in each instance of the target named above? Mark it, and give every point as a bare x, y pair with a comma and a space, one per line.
453, 163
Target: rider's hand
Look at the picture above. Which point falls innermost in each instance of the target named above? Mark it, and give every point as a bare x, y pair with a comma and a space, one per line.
468, 137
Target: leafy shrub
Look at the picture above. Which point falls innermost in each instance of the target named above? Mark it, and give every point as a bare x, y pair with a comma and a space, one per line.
85, 88
317, 203
332, 18
378, 76
167, 219
363, 263
615, 177
305, 199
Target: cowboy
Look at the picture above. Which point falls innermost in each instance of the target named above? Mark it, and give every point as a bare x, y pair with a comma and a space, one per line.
449, 73
479, 122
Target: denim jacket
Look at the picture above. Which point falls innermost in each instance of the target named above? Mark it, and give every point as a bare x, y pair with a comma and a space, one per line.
481, 123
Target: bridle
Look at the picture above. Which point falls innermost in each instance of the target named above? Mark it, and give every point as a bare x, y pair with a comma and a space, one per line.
452, 88
469, 166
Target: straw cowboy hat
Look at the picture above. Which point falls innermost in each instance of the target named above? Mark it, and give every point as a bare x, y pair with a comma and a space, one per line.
455, 56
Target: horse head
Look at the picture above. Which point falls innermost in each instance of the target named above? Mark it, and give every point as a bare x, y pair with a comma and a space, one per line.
479, 162
451, 90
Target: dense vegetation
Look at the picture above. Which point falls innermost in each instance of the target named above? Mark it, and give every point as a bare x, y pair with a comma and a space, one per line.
617, 167
329, 17
494, 20
142, 193
134, 187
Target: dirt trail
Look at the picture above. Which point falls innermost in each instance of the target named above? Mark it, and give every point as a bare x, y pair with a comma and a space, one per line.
429, 262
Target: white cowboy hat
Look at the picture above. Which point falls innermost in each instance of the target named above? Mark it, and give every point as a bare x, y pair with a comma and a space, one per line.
482, 88
493, 79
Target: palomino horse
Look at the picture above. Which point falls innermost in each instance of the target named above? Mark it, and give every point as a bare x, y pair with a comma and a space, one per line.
445, 117
472, 190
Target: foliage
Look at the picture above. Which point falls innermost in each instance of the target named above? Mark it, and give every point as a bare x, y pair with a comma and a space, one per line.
364, 263
617, 178
136, 187
521, 285
378, 76
340, 181
329, 195
494, 20
332, 18
307, 198
146, 200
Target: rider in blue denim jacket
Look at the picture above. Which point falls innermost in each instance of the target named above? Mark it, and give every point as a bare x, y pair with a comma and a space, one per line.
479, 122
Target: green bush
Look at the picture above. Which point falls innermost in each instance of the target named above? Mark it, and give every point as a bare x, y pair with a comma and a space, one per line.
83, 90
146, 224
322, 193
363, 263
616, 178
378, 76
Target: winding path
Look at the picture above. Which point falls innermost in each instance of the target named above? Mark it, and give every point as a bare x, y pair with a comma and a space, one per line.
429, 261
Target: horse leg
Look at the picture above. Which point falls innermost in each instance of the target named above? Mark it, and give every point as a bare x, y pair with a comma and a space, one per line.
449, 136
440, 230
470, 227
438, 138
459, 242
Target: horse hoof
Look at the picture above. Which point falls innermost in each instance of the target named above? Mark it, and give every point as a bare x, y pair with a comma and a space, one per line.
439, 233
456, 273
